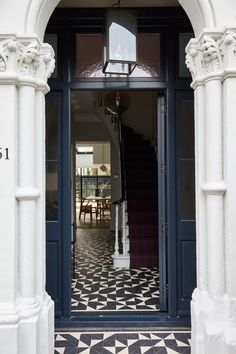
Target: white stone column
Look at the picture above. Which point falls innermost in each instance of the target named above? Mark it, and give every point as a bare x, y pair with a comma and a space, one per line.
211, 59
26, 311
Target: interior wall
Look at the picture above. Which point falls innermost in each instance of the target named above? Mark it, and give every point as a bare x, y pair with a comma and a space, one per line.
94, 131
142, 114
101, 151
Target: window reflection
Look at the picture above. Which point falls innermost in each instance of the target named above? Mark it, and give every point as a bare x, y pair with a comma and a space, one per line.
187, 190
51, 191
51, 39
186, 160
184, 38
89, 56
51, 130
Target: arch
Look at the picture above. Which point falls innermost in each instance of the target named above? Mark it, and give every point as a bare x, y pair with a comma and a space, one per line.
30, 17
200, 12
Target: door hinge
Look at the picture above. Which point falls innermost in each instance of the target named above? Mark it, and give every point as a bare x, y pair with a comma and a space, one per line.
164, 228
163, 108
165, 289
164, 168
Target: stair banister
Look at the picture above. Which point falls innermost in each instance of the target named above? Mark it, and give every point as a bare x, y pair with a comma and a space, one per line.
116, 251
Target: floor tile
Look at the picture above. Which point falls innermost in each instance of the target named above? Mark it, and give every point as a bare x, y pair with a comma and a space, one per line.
134, 342
98, 286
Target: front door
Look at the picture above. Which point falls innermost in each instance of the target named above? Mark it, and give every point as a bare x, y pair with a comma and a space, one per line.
185, 200
160, 69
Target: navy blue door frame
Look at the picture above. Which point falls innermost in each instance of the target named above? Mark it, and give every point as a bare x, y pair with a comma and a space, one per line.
168, 22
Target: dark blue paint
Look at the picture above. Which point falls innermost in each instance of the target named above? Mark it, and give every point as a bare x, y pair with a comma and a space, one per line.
54, 281
162, 215
179, 242
185, 228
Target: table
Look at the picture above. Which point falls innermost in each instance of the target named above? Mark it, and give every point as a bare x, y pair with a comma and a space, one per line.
103, 205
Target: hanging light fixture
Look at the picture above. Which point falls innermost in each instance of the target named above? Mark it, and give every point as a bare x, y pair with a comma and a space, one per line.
120, 53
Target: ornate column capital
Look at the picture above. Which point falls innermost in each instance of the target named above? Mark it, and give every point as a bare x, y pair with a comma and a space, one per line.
211, 56
26, 60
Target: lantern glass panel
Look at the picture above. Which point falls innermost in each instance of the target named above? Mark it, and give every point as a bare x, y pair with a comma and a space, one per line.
120, 43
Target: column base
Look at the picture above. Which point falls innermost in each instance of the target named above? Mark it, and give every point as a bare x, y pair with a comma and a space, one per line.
213, 324
28, 329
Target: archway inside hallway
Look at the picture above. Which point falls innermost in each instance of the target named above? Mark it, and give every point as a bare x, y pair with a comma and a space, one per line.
178, 100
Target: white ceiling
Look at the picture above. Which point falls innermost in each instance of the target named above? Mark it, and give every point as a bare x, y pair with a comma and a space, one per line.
123, 3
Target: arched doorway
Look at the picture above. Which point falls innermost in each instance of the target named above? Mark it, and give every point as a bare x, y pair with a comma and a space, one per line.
177, 246
212, 83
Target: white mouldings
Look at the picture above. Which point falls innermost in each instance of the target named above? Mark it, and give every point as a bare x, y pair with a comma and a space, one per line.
211, 58
25, 59
26, 311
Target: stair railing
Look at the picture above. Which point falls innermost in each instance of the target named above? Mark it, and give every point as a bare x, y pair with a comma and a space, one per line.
121, 259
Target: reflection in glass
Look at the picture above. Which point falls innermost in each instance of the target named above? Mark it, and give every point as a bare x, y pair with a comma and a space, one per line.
187, 190
51, 39
89, 56
51, 191
51, 130
184, 38
186, 129
148, 63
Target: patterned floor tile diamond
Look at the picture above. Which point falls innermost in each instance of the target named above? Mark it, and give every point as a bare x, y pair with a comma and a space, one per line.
98, 286
118, 342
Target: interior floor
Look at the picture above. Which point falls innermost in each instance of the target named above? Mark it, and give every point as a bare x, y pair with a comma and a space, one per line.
98, 286
124, 342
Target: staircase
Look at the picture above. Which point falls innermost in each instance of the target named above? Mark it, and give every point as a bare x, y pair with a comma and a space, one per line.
141, 187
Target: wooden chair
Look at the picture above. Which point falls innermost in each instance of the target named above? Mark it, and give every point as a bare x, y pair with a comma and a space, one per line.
85, 208
105, 207
97, 209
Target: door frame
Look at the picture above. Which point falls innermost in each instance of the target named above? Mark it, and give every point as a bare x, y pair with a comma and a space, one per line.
169, 24
129, 318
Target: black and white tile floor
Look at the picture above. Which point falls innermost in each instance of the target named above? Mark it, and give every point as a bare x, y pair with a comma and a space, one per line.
98, 286
131, 342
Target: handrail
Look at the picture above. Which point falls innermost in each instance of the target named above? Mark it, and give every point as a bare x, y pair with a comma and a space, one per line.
122, 159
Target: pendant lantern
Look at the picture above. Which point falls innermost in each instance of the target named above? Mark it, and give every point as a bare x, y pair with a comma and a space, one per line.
120, 52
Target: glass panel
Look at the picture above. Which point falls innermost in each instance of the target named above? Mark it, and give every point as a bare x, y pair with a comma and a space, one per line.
89, 51
148, 63
121, 34
89, 56
51, 131
89, 186
187, 190
186, 129
51, 191
104, 186
184, 38
93, 186
52, 40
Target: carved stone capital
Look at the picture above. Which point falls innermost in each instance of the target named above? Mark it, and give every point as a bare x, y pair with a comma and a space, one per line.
212, 55
228, 49
27, 58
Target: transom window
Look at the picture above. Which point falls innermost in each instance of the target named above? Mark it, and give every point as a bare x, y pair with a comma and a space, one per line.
89, 56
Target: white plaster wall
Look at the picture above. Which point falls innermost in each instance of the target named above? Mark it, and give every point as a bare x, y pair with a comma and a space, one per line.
141, 115
214, 317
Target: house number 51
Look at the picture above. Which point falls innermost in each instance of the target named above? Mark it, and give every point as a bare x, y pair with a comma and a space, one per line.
4, 154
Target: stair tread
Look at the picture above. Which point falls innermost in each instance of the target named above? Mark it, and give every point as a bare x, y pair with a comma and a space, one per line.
142, 205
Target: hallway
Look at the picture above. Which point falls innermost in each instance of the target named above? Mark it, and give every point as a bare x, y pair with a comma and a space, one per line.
98, 286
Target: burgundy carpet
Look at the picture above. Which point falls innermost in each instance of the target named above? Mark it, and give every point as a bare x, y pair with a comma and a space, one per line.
141, 186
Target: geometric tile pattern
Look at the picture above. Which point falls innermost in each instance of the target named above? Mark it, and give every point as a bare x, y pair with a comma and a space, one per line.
98, 286
140, 342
